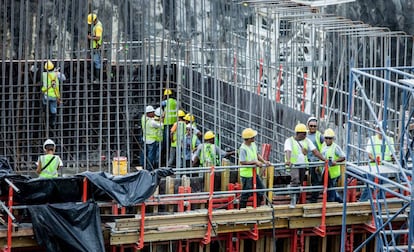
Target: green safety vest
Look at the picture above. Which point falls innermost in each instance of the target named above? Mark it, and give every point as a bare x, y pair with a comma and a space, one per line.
51, 169
159, 134
97, 44
208, 155
179, 133
296, 149
377, 149
170, 112
318, 140
334, 171
148, 132
194, 139
48, 79
251, 155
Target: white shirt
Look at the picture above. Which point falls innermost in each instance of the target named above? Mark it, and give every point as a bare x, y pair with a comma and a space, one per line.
304, 143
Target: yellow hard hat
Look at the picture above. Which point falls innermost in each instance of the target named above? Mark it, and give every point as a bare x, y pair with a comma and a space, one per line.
49, 65
189, 117
329, 133
301, 128
209, 135
167, 91
91, 18
248, 133
181, 113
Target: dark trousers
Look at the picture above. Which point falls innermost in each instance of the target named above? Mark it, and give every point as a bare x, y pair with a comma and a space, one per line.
247, 184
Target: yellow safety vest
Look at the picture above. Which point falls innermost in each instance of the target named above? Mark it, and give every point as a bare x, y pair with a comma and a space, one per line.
170, 112
50, 84
251, 155
51, 170
334, 171
97, 44
295, 152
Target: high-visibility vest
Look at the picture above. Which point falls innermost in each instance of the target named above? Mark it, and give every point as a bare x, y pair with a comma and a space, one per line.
51, 170
318, 140
296, 149
251, 155
377, 148
159, 133
194, 139
148, 132
208, 155
179, 133
97, 44
50, 85
170, 112
334, 171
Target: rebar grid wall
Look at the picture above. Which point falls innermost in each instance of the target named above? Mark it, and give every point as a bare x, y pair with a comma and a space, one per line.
233, 64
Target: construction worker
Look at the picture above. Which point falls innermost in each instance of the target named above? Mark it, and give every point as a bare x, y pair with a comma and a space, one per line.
332, 152
191, 143
48, 164
189, 119
248, 155
296, 153
95, 35
51, 92
169, 104
317, 139
377, 149
158, 118
150, 135
208, 153
177, 140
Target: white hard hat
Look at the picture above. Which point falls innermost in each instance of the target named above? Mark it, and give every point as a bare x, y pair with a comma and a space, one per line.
149, 109
158, 111
48, 142
312, 118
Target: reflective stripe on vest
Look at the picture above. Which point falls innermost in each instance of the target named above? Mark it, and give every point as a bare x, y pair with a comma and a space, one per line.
48, 78
318, 140
334, 171
170, 112
251, 155
51, 169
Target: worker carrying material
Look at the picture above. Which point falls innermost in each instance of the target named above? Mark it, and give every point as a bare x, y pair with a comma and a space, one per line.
48, 164
208, 154
249, 155
296, 150
51, 93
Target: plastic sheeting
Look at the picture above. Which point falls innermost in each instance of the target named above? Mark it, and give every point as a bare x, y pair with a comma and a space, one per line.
60, 222
68, 227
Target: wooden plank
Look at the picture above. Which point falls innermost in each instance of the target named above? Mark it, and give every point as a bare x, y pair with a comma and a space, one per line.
330, 221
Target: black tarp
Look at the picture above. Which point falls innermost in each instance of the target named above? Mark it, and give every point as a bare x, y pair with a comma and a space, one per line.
60, 221
68, 226
126, 190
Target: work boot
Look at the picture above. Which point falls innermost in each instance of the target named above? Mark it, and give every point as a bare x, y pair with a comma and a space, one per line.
292, 201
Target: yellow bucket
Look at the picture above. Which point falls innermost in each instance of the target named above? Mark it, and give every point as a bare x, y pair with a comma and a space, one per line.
119, 166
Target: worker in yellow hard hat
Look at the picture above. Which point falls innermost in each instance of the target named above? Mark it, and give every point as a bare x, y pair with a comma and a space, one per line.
249, 155
335, 155
296, 153
317, 139
177, 134
169, 105
51, 92
95, 35
208, 154
190, 120
191, 143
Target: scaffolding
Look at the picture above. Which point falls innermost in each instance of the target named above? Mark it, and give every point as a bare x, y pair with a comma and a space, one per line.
386, 181
232, 64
